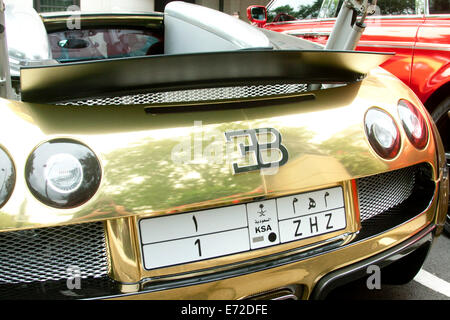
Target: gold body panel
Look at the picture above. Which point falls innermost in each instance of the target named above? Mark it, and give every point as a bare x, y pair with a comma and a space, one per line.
327, 147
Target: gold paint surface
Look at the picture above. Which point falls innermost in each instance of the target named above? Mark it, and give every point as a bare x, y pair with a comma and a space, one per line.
159, 164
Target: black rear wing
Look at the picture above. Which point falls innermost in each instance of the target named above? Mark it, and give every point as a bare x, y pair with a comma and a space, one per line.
126, 76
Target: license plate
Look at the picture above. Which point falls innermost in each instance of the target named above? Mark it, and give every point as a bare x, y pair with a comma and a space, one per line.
189, 237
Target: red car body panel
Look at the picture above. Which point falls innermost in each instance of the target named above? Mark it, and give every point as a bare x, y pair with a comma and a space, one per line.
421, 44
431, 65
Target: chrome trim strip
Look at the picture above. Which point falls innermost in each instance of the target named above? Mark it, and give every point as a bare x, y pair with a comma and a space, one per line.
440, 15
286, 297
362, 44
312, 34
409, 45
433, 48
402, 17
292, 292
294, 21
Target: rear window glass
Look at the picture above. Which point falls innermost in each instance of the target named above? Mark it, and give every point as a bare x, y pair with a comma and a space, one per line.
94, 44
439, 6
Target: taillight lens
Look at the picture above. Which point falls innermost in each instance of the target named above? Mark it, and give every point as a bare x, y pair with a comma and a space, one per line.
382, 133
413, 123
7, 177
63, 173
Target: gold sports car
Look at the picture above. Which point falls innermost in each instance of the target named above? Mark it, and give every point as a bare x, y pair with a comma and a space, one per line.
190, 155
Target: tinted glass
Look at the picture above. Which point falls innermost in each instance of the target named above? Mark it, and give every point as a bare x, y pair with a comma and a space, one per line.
258, 13
286, 10
439, 6
93, 44
395, 7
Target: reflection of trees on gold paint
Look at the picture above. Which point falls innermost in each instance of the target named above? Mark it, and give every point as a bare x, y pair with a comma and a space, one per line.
298, 140
144, 177
345, 147
356, 158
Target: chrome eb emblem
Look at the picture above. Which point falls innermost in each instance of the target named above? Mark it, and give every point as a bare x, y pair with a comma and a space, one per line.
257, 149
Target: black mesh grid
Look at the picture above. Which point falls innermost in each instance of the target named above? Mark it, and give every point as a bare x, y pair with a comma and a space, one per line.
53, 253
194, 95
382, 192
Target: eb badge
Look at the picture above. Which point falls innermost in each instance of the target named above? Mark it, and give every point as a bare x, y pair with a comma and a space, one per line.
257, 149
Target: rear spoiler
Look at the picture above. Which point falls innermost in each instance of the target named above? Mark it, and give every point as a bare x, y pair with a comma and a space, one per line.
125, 76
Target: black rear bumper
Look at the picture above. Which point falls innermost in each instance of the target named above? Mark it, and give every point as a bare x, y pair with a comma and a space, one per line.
420, 244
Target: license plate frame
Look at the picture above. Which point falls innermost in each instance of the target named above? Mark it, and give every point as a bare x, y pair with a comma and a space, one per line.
190, 237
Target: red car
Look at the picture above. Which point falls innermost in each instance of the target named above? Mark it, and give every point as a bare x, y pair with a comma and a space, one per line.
418, 31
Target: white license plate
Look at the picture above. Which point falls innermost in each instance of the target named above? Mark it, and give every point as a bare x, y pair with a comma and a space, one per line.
188, 237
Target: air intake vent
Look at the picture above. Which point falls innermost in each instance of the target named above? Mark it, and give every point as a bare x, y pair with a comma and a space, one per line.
51, 253
382, 192
194, 95
389, 199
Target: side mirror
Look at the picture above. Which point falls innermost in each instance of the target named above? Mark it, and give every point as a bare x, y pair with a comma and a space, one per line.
257, 15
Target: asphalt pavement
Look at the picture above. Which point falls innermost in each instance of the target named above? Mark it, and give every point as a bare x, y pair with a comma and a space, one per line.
431, 283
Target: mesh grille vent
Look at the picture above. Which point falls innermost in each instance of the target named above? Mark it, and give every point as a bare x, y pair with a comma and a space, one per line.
384, 191
47, 253
195, 95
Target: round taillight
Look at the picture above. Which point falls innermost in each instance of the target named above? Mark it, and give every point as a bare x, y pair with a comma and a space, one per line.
413, 123
382, 133
7, 177
63, 173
